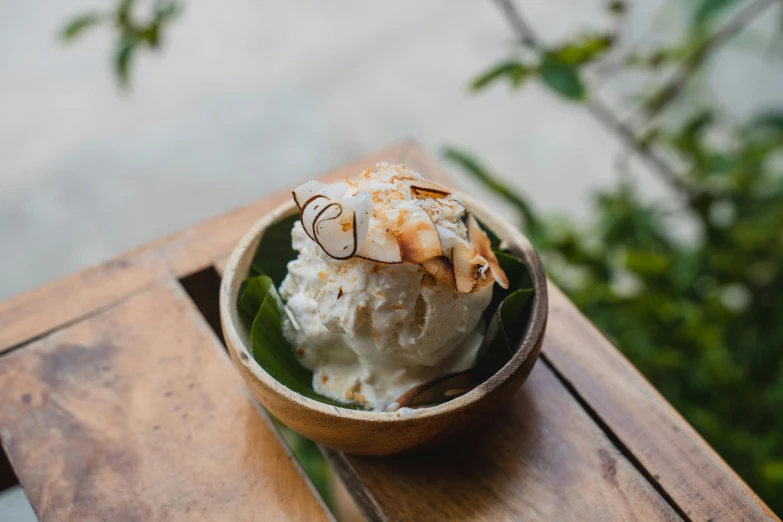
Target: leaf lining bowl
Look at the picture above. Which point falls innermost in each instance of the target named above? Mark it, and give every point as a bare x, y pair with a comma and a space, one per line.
381, 433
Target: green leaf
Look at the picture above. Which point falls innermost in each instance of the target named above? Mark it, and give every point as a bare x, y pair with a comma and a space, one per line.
707, 10
514, 72
507, 316
271, 349
78, 25
771, 121
124, 14
251, 297
167, 10
275, 251
516, 271
122, 58
584, 50
505, 331
617, 7
151, 34
563, 78
261, 309
647, 263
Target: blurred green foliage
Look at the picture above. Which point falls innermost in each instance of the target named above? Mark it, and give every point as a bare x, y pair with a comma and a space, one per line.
132, 31
699, 314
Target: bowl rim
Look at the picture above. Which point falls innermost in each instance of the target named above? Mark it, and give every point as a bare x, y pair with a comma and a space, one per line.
235, 273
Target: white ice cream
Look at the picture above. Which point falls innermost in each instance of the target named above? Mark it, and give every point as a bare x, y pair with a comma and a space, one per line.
371, 331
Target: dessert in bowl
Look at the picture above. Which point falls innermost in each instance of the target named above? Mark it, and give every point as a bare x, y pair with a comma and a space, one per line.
383, 312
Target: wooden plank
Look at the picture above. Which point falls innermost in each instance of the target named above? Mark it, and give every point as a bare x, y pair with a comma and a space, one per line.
220, 265
543, 460
671, 451
62, 302
137, 414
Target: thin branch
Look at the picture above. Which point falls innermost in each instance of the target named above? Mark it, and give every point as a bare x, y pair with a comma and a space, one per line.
599, 111
523, 31
666, 94
626, 134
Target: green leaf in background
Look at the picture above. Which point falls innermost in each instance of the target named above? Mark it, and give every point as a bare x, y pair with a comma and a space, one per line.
122, 58
583, 50
132, 33
150, 35
78, 25
514, 72
769, 122
167, 10
707, 11
124, 14
617, 7
275, 250
563, 78
647, 263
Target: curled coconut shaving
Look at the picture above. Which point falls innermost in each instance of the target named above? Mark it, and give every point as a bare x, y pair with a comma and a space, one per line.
337, 217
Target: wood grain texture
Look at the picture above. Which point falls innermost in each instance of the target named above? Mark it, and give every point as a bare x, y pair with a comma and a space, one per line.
136, 414
64, 301
671, 451
543, 460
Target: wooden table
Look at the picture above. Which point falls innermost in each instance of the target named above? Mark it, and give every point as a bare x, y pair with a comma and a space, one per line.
118, 402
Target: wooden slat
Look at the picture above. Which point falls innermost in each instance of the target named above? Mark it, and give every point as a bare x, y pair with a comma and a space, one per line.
59, 303
543, 460
220, 265
671, 451
137, 414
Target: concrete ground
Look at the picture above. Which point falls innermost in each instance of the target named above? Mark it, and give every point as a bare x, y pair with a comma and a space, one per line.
249, 97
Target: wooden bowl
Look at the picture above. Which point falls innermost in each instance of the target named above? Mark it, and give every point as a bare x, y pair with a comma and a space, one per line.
381, 433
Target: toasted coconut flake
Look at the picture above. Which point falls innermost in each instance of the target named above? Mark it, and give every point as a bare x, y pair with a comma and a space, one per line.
441, 269
381, 249
311, 208
361, 205
418, 238
422, 188
339, 227
484, 280
465, 272
335, 231
306, 191
448, 238
337, 217
335, 191
480, 241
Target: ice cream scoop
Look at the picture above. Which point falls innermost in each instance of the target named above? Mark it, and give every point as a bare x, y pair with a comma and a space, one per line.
389, 286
